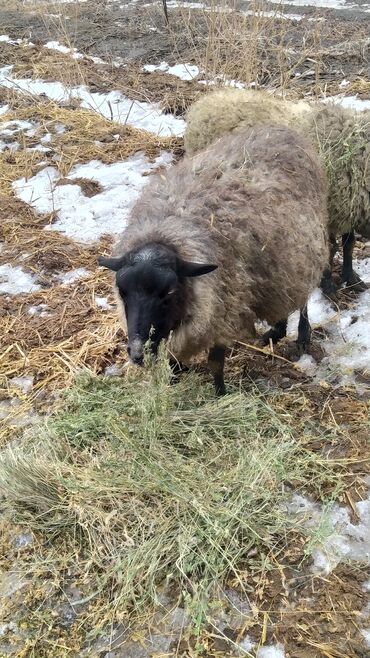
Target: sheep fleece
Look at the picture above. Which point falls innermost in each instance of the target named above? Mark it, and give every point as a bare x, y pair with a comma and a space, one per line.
254, 204
340, 136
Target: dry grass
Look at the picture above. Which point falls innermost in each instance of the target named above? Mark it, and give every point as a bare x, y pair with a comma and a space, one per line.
155, 485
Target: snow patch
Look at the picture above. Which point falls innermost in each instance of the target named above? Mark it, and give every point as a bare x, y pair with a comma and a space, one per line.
39, 310
10, 127
307, 364
347, 343
328, 4
271, 651
55, 45
13, 280
24, 383
273, 14
334, 536
102, 303
349, 102
246, 644
182, 71
88, 218
366, 633
113, 371
113, 105
226, 82
73, 275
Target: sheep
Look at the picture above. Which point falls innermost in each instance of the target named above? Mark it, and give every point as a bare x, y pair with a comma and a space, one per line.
341, 136
234, 234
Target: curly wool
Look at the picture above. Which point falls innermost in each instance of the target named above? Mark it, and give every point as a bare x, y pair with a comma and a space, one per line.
254, 203
342, 138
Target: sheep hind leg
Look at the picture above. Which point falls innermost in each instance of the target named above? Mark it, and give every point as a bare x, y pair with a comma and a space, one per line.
304, 331
349, 276
275, 334
216, 363
327, 284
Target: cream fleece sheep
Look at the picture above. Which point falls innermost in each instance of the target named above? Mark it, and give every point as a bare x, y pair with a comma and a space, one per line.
253, 203
342, 138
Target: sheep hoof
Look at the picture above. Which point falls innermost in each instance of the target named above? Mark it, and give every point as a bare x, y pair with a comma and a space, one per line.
178, 368
354, 282
329, 288
275, 334
302, 348
220, 390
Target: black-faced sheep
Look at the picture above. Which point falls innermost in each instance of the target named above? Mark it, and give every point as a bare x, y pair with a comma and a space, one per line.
235, 234
342, 138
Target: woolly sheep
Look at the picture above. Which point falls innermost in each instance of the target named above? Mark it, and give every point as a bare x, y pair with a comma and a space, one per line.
235, 234
341, 136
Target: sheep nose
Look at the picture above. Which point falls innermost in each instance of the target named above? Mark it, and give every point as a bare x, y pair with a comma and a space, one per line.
136, 352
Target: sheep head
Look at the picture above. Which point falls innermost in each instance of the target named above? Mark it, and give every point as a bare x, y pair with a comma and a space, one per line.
151, 284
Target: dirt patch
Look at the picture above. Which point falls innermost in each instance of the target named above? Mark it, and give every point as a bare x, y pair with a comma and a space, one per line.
88, 187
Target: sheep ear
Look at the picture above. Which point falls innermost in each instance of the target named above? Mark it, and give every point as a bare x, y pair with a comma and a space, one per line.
185, 268
113, 264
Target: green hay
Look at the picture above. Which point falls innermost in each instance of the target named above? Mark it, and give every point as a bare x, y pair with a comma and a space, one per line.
151, 483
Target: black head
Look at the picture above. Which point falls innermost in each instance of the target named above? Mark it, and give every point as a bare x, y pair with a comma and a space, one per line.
150, 282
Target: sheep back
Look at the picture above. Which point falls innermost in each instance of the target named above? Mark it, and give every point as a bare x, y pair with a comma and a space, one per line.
341, 137
254, 203
227, 109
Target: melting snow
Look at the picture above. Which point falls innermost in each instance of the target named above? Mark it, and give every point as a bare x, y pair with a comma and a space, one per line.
102, 303
273, 14
24, 383
10, 127
349, 102
347, 345
74, 275
38, 310
272, 651
113, 371
337, 538
13, 280
224, 81
366, 633
329, 4
88, 218
55, 45
112, 105
182, 71
246, 644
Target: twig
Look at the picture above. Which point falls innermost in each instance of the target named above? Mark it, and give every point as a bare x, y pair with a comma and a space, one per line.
165, 9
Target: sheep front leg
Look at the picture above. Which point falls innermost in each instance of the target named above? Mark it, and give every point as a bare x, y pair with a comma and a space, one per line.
304, 331
216, 363
349, 276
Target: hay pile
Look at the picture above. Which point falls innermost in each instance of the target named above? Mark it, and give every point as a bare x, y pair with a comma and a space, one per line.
153, 485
